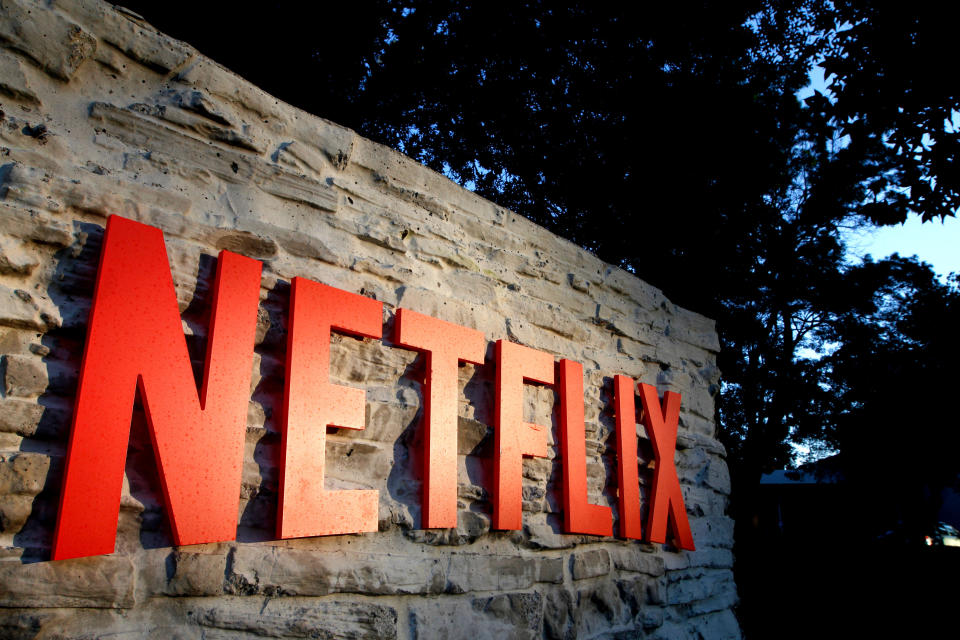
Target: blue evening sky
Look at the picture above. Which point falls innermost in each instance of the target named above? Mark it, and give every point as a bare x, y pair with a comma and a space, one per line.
934, 242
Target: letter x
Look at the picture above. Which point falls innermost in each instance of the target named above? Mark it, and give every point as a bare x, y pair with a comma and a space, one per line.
667, 499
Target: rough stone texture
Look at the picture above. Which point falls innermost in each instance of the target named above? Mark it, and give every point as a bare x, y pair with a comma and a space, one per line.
590, 564
100, 114
24, 376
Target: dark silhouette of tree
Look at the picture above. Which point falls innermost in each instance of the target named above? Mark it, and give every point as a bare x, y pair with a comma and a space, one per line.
889, 377
896, 102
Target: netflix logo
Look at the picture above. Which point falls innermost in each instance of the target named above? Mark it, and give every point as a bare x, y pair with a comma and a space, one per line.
135, 342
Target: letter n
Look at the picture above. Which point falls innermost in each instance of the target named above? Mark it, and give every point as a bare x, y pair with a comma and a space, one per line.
135, 341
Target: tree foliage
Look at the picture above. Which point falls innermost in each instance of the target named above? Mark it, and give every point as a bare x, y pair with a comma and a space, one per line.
896, 104
894, 367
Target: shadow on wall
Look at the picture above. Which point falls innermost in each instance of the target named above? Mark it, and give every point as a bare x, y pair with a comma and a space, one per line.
71, 291
259, 501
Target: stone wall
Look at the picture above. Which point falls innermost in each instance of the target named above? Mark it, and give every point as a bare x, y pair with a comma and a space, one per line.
101, 114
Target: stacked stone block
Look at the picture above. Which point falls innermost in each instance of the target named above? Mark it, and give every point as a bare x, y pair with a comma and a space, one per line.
101, 114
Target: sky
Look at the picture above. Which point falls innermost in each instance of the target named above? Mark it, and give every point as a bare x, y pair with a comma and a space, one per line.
935, 242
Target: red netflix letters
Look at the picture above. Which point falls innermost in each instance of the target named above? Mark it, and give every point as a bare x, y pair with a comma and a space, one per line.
135, 341
579, 516
666, 496
628, 498
512, 437
311, 404
444, 345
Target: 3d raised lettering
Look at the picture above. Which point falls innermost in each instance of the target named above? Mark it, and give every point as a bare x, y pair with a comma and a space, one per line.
514, 438
579, 515
135, 340
666, 499
628, 490
444, 344
311, 404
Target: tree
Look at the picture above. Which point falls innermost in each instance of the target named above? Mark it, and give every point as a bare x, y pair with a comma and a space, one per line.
889, 376
892, 99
